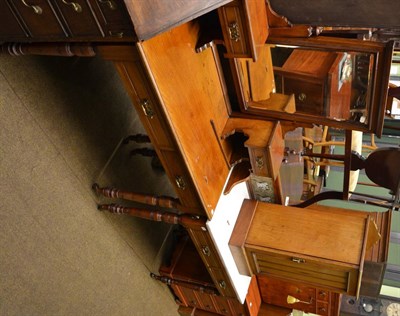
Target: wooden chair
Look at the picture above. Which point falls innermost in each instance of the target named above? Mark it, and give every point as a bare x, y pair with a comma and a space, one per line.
381, 167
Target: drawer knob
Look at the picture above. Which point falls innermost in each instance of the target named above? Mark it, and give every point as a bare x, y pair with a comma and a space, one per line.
222, 284
206, 251
302, 96
180, 182
75, 6
234, 32
322, 293
259, 162
147, 109
37, 9
298, 260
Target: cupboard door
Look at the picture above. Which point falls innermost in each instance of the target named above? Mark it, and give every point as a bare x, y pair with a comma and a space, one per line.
10, 28
330, 276
40, 19
275, 291
113, 17
79, 18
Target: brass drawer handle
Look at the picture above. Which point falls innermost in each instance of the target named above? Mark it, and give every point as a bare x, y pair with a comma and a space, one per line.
109, 3
222, 284
76, 6
147, 109
259, 162
302, 96
37, 9
322, 293
234, 32
206, 251
116, 34
180, 182
298, 260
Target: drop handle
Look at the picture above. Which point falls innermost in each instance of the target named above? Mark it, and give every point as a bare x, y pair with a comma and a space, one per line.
109, 3
298, 260
75, 6
36, 9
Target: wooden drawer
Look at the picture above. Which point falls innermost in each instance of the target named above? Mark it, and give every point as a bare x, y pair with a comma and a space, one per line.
10, 26
78, 18
330, 276
113, 18
322, 308
181, 181
222, 282
259, 162
40, 19
187, 296
206, 249
322, 295
222, 305
210, 257
207, 303
146, 103
243, 36
309, 96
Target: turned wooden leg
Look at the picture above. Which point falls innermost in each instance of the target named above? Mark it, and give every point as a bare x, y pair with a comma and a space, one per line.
190, 285
160, 201
137, 138
48, 49
148, 152
192, 221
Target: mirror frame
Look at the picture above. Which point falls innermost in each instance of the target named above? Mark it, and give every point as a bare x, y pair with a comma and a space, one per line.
382, 55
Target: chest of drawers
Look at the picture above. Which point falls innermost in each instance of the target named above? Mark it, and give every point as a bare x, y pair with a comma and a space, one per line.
325, 248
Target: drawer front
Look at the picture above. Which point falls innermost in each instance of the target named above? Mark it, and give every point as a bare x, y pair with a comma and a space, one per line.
10, 27
146, 104
322, 308
187, 296
259, 162
181, 181
206, 302
40, 19
275, 291
79, 18
113, 17
222, 305
309, 96
222, 282
234, 30
206, 249
330, 276
322, 295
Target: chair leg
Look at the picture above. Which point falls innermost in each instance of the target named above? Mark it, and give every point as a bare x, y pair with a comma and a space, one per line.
159, 201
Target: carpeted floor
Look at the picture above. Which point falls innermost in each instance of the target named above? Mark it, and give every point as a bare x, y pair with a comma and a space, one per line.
60, 121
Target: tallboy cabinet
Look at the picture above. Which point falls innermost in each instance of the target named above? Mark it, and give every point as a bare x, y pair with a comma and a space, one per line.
324, 248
